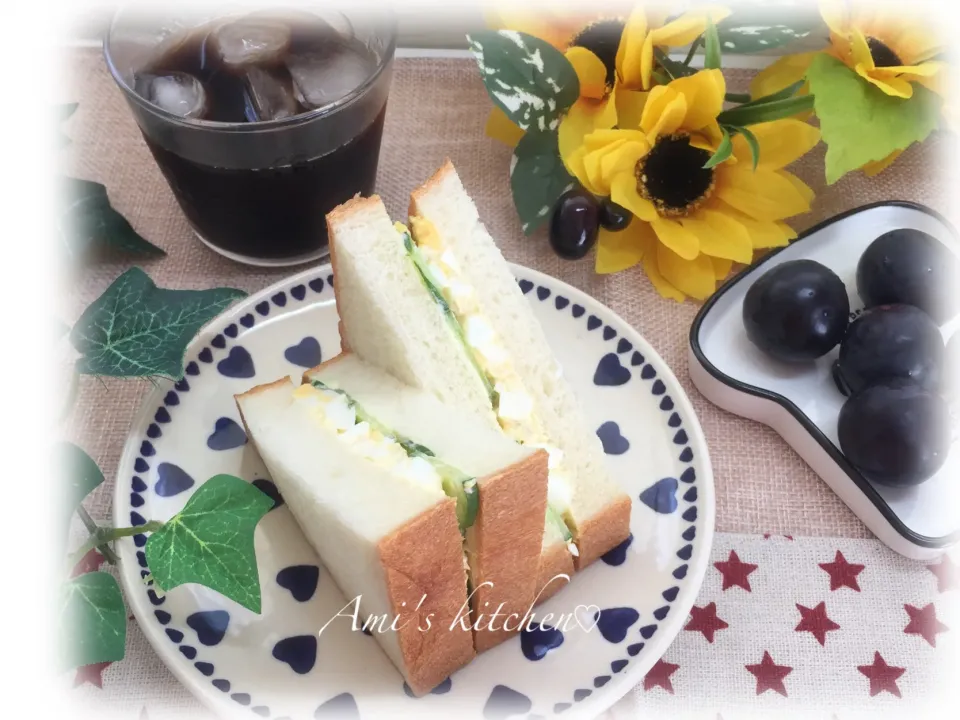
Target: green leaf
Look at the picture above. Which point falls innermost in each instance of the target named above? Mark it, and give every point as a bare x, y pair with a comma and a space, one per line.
711, 52
765, 25
210, 541
80, 473
88, 222
753, 143
788, 92
136, 329
538, 178
752, 114
860, 123
724, 150
527, 78
93, 620
673, 68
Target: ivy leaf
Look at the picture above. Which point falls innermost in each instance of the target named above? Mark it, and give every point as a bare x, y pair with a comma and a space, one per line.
93, 620
136, 329
538, 178
711, 48
760, 112
767, 25
210, 541
526, 77
753, 143
81, 474
724, 151
88, 221
673, 68
860, 123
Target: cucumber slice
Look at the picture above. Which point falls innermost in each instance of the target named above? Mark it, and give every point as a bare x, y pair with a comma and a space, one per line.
557, 519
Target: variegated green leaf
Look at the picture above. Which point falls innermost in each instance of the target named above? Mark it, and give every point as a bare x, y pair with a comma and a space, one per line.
537, 178
527, 78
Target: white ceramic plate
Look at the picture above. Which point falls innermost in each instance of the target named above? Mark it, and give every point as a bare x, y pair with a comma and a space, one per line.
802, 403
273, 666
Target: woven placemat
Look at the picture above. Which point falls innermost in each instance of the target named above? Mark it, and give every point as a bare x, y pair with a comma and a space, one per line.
437, 109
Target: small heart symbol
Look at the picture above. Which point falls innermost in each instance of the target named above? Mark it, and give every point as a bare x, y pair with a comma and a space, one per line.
210, 626
206, 355
609, 333
262, 307
661, 497
305, 353
441, 689
593, 322
219, 341
560, 302
577, 310
613, 442
280, 299
341, 707
247, 320
505, 702
610, 371
299, 652
230, 330
624, 345
613, 623
268, 488
525, 286
300, 580
192, 368
316, 285
618, 555
226, 435
238, 364
543, 292
538, 639
587, 616
299, 292
171, 480
686, 455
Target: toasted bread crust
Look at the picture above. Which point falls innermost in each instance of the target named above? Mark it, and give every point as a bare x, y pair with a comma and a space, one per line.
505, 541
604, 531
423, 563
429, 186
556, 560
259, 389
305, 378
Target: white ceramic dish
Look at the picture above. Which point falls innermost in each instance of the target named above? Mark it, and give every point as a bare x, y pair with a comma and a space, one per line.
239, 663
802, 403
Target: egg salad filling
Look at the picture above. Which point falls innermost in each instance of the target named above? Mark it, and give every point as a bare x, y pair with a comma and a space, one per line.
335, 410
512, 404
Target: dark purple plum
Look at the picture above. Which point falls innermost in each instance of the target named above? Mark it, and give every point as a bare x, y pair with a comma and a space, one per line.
890, 342
575, 224
797, 311
951, 365
896, 433
614, 217
910, 267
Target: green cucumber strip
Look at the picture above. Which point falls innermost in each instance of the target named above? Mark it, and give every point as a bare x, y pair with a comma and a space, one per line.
456, 484
561, 525
423, 269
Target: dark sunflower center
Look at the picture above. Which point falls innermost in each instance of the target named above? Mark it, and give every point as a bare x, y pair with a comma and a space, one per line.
672, 175
882, 55
602, 38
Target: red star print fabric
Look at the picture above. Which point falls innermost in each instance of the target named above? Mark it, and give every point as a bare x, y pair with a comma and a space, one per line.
809, 628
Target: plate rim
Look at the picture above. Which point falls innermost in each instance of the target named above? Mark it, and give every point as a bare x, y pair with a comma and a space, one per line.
621, 683
822, 440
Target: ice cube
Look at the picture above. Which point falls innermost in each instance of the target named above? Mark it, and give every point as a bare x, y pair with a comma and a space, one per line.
325, 75
268, 97
252, 41
178, 93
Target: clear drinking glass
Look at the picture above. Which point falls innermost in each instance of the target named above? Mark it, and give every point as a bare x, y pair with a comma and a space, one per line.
256, 187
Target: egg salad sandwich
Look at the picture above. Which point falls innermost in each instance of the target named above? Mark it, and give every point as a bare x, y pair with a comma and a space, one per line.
437, 306
417, 507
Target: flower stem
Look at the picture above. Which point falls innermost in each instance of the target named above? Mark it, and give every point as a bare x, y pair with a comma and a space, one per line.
737, 97
693, 49
102, 536
93, 529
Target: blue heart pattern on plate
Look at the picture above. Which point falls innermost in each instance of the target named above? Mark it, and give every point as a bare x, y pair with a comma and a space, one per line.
539, 639
661, 496
227, 435
305, 353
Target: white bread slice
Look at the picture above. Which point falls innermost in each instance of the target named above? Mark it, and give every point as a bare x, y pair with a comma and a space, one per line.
386, 316
503, 544
394, 544
600, 510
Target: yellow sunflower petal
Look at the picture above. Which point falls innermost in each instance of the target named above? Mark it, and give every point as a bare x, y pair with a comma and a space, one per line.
676, 237
630, 107
618, 251
623, 161
781, 142
720, 235
763, 233
762, 194
916, 45
590, 70
860, 50
646, 63
801, 187
721, 267
703, 92
695, 277
500, 127
592, 164
574, 164
651, 267
893, 86
875, 168
780, 74
623, 191
834, 15
664, 113
630, 51
689, 26
583, 118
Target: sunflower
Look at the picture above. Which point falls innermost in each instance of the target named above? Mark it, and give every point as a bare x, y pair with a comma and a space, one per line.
612, 56
884, 46
692, 222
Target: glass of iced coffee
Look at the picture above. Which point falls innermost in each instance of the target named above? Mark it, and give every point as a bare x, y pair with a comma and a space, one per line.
261, 121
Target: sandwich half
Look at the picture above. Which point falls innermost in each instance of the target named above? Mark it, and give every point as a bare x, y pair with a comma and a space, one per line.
501, 517
438, 307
